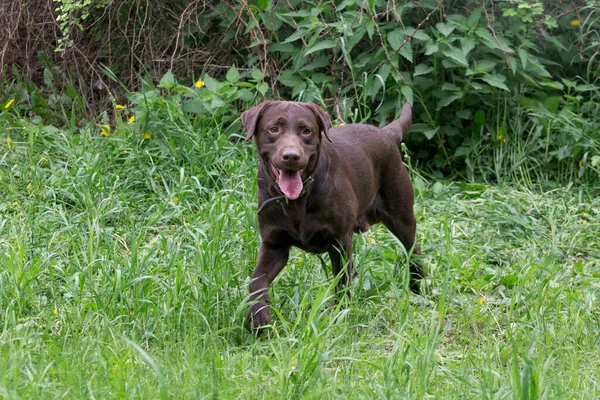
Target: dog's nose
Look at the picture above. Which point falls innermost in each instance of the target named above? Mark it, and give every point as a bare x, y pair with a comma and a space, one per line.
291, 154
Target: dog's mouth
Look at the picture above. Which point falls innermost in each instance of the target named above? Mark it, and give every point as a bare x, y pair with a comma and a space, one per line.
290, 182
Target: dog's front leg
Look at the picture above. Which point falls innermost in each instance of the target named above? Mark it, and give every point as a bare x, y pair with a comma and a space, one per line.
338, 255
271, 260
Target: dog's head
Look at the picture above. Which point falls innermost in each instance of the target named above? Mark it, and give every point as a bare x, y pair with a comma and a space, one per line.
288, 138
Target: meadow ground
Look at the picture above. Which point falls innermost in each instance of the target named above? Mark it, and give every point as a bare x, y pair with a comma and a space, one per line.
124, 264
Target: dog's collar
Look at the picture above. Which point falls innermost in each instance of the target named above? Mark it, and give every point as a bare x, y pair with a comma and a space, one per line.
306, 186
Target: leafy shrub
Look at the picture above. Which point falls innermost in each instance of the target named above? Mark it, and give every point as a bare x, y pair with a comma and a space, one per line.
487, 80
468, 74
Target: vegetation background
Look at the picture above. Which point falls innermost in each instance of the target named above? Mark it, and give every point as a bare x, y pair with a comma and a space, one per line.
127, 211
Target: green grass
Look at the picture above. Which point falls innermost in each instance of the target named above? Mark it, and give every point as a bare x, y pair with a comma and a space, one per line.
124, 266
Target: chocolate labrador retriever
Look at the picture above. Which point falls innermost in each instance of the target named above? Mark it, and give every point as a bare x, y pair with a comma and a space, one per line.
317, 185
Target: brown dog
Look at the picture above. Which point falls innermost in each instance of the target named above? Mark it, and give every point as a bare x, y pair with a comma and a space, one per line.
316, 186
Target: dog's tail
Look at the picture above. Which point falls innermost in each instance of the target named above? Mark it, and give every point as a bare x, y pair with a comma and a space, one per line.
399, 127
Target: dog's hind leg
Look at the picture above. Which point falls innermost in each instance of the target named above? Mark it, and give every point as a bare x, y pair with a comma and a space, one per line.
339, 254
398, 216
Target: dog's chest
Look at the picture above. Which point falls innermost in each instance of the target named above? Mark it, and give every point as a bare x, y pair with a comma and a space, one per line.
308, 231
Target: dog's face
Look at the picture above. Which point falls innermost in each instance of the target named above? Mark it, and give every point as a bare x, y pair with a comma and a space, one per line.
288, 138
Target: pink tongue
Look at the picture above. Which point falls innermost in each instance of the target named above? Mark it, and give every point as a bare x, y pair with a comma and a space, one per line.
290, 184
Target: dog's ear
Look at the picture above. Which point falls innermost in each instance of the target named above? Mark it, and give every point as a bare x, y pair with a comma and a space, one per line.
251, 116
322, 118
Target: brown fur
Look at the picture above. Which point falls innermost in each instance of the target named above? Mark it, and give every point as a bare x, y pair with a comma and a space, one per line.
359, 180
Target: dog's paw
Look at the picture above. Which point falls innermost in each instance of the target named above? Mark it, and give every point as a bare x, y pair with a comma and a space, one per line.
258, 316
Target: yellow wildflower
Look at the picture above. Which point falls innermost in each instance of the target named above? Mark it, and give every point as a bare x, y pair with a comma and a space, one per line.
44, 160
371, 242
584, 222
502, 138
575, 22
199, 83
105, 130
300, 259
55, 312
341, 124
131, 119
9, 103
119, 107
15, 203
131, 313
482, 300
9, 143
147, 136
30, 187
175, 200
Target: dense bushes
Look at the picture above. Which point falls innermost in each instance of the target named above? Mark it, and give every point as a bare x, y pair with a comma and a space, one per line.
505, 91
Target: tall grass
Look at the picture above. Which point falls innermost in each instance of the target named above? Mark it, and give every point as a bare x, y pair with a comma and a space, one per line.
124, 265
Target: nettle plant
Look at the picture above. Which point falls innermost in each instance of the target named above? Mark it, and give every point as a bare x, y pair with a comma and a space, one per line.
463, 71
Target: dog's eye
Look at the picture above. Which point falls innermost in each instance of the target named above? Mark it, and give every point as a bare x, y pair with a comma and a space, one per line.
306, 131
274, 129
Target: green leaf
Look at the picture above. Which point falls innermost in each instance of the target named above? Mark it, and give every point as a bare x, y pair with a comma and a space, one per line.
431, 47
320, 62
512, 61
49, 78
552, 85
167, 81
194, 106
418, 35
467, 44
495, 80
283, 47
248, 95
232, 75
264, 4
321, 45
450, 87
384, 71
212, 84
538, 68
464, 114
523, 56
262, 88
256, 74
290, 79
407, 92
479, 118
552, 103
185, 89
481, 67
456, 55
406, 51
585, 87
422, 69
445, 29
421, 35
395, 38
497, 43
295, 36
447, 98
474, 18
429, 134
